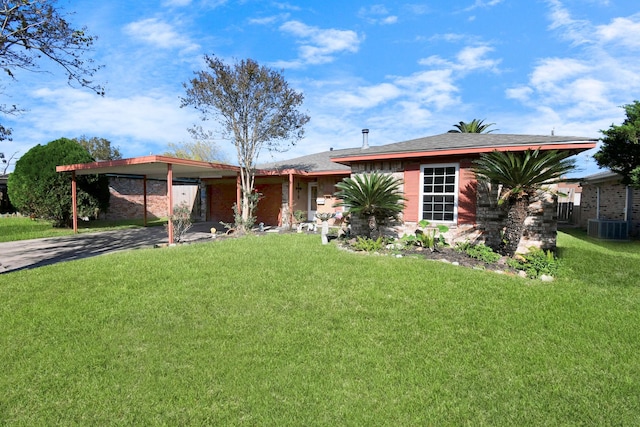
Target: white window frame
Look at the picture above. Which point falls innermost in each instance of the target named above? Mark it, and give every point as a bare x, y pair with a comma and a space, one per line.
455, 194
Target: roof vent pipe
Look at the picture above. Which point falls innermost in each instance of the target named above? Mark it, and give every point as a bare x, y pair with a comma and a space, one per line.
365, 139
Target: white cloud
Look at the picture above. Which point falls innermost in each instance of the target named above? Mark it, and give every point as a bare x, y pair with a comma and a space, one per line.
553, 70
483, 4
622, 31
377, 14
319, 46
154, 119
435, 88
364, 97
580, 93
265, 20
577, 31
178, 3
470, 58
521, 93
160, 34
474, 58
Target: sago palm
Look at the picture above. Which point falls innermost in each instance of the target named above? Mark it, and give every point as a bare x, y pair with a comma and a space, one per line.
374, 197
522, 175
474, 126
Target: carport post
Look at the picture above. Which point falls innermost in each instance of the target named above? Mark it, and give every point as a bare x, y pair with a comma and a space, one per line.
74, 201
170, 200
290, 213
144, 199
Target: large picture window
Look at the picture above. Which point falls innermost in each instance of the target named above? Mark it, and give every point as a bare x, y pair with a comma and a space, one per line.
439, 195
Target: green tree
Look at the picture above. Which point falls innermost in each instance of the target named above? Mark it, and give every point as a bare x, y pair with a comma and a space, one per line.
203, 148
99, 148
33, 30
474, 126
373, 197
255, 107
620, 149
36, 188
523, 175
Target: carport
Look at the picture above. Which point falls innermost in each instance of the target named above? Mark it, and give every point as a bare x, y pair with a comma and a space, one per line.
151, 167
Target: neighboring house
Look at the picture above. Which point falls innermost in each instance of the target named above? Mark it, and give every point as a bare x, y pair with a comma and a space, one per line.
436, 173
5, 204
609, 209
569, 194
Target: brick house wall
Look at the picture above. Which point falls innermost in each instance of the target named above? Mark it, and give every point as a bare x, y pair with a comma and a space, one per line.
127, 199
480, 218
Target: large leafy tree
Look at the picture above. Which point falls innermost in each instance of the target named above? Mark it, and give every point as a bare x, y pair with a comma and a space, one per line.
99, 148
373, 197
620, 149
33, 30
203, 148
474, 126
36, 188
523, 175
255, 107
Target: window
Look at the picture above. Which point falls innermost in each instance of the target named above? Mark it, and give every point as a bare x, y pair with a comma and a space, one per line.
439, 195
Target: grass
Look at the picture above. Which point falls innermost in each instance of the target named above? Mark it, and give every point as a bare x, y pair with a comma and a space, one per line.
23, 228
280, 330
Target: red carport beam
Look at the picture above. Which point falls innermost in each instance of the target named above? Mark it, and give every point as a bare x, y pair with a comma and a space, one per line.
74, 201
170, 200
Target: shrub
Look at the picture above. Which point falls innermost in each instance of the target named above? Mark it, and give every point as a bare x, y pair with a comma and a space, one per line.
181, 221
536, 263
373, 197
481, 252
35, 188
368, 245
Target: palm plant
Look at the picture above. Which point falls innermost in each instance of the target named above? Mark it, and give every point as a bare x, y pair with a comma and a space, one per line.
474, 126
522, 176
374, 197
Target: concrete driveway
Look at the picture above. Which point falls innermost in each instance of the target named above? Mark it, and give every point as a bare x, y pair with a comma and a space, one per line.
34, 253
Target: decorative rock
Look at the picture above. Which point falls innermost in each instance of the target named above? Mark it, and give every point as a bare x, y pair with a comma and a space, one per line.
455, 263
522, 273
546, 278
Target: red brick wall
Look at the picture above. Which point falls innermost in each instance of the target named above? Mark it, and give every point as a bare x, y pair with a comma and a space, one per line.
127, 200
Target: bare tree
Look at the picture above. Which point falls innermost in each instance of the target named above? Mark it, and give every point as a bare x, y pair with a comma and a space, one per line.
256, 109
32, 30
6, 163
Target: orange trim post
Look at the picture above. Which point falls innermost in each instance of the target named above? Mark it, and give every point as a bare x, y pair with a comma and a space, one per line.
74, 201
290, 199
170, 200
144, 199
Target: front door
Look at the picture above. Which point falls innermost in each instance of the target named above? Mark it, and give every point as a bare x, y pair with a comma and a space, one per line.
312, 207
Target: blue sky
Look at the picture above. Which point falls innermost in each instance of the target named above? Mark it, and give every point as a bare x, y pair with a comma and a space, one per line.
401, 69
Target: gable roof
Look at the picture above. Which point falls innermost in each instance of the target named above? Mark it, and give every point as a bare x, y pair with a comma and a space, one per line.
464, 144
312, 163
606, 175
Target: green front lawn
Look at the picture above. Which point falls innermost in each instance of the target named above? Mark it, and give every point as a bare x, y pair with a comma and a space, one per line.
23, 228
280, 330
